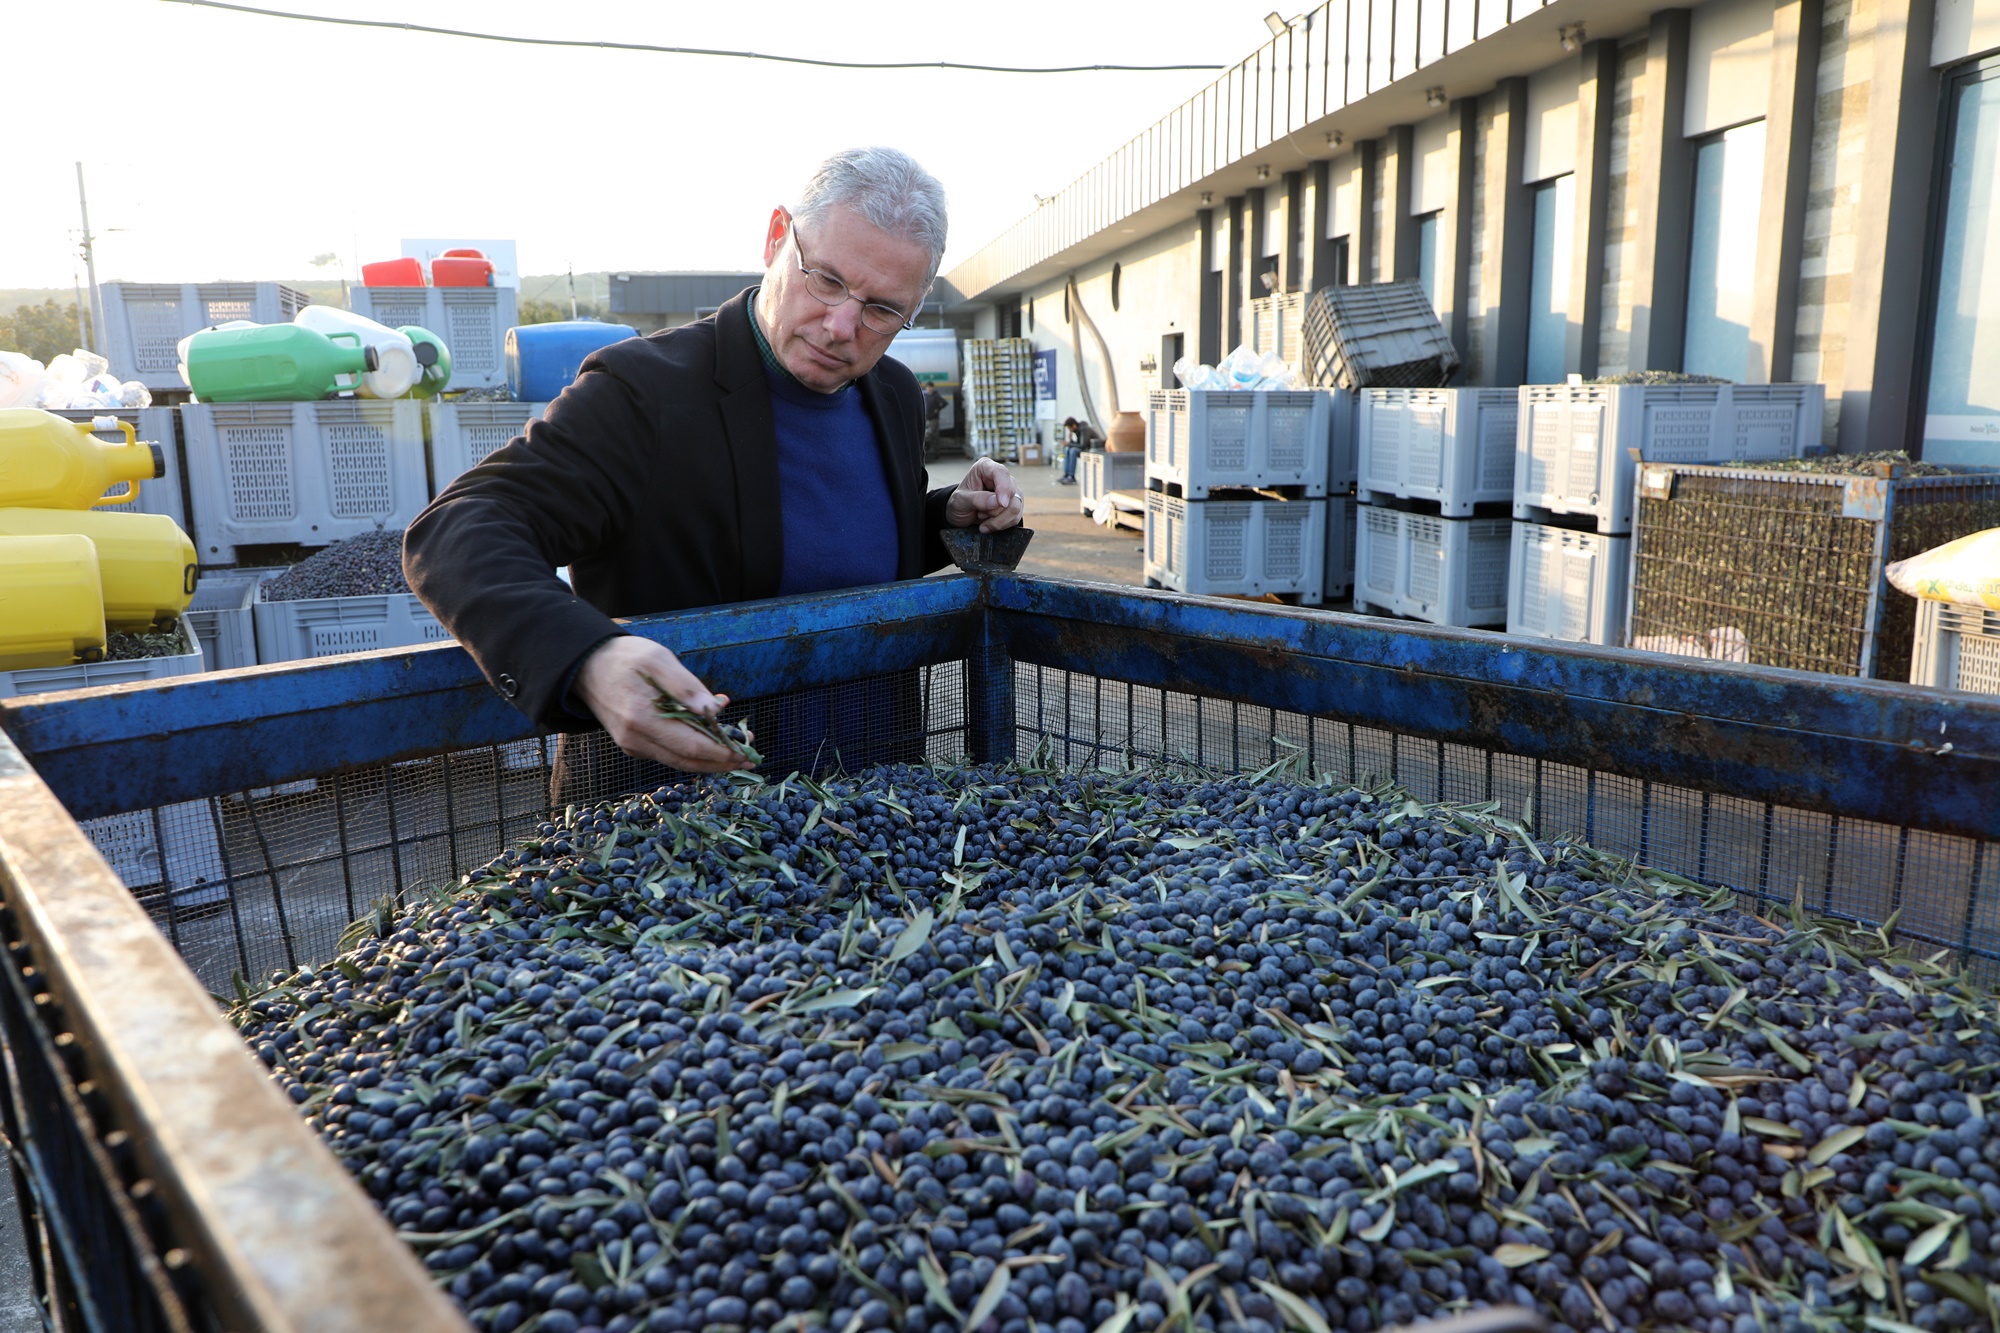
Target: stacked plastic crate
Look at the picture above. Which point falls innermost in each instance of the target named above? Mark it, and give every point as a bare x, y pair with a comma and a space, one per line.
473, 321
1576, 454
1236, 490
999, 389
1383, 345
144, 323
285, 475
1435, 479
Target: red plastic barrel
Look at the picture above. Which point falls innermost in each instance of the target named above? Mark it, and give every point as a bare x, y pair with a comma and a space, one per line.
393, 273
462, 268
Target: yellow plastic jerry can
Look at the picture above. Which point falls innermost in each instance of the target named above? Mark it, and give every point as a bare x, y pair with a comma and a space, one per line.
146, 563
51, 612
47, 462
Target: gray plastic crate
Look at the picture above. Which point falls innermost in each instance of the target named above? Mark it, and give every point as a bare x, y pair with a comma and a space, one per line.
1277, 325
1450, 447
1100, 472
1381, 335
1957, 648
1342, 516
1448, 571
1573, 452
473, 321
309, 474
85, 675
220, 615
144, 322
1245, 547
1568, 585
463, 434
155, 425
1201, 440
326, 626
193, 859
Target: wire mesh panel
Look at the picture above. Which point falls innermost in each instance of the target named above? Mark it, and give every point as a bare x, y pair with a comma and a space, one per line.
1944, 891
406, 800
250, 882
1785, 569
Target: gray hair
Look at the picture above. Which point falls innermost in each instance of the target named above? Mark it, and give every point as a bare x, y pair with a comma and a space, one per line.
888, 188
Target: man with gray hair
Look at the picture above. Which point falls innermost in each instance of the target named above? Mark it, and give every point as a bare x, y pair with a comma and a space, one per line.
769, 449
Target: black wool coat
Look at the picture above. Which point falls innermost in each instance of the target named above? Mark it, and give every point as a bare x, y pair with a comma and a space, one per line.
654, 477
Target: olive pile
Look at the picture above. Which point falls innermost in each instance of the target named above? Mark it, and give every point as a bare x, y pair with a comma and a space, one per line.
1014, 1051
369, 563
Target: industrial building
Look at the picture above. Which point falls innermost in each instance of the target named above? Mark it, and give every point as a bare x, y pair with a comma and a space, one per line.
1764, 190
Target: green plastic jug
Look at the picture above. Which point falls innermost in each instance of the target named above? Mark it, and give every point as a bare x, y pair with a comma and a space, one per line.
434, 358
275, 363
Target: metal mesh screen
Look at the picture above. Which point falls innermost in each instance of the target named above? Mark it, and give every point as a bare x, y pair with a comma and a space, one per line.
1946, 889
250, 882
1782, 571
254, 881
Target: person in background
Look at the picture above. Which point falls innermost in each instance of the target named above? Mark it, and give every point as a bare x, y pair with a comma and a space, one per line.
769, 449
1077, 436
933, 409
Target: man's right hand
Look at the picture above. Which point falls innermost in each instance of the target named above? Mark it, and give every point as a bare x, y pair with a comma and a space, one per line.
613, 684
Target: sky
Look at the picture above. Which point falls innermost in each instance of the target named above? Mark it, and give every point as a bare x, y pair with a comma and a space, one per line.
220, 145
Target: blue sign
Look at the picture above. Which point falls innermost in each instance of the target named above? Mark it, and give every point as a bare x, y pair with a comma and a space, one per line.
1045, 375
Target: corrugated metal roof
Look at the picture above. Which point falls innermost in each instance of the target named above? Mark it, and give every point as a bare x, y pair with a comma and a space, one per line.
1328, 60
660, 293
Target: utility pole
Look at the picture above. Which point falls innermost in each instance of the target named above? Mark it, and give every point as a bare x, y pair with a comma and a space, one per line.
572, 291
82, 336
90, 263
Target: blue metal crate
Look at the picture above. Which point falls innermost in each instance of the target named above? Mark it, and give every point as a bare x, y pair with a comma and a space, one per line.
1868, 799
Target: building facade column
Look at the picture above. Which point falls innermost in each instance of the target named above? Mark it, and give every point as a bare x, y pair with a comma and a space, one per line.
1292, 272
1508, 261
1208, 324
1880, 403
1454, 237
1596, 89
1365, 185
1788, 134
1237, 209
1397, 161
1319, 221
1662, 176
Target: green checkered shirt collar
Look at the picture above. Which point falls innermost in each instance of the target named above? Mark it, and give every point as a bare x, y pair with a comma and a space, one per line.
771, 361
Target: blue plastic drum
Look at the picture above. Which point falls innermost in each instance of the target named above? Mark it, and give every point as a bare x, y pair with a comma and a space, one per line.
542, 359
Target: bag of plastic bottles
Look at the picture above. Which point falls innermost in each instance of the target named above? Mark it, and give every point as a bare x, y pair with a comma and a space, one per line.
1966, 571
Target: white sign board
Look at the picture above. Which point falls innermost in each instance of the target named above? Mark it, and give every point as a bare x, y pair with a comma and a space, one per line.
506, 268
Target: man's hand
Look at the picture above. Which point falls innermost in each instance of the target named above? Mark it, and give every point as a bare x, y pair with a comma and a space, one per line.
986, 499
613, 684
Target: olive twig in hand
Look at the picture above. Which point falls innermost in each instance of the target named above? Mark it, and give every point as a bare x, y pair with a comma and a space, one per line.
734, 735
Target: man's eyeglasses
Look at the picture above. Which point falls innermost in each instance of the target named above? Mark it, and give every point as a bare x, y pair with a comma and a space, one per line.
829, 290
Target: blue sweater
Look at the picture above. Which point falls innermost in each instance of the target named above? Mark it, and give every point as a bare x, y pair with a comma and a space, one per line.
840, 529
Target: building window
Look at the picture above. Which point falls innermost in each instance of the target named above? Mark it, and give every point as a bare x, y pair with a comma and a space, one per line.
1427, 256
1722, 251
1548, 281
1340, 268
1962, 406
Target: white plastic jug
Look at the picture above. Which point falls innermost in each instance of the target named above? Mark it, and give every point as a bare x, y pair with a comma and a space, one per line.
396, 365
181, 347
